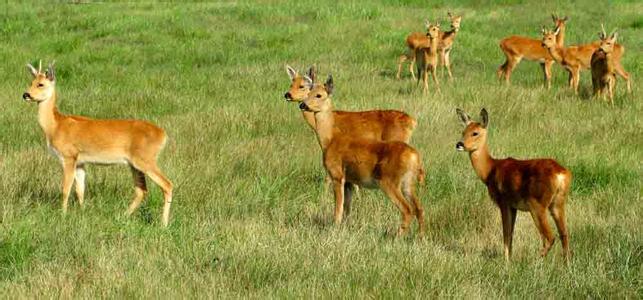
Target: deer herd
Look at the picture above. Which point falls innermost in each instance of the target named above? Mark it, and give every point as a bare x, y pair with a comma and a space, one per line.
368, 149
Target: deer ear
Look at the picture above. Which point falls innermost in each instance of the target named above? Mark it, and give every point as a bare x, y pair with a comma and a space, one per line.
553, 17
311, 73
308, 82
565, 19
32, 70
463, 116
485, 118
329, 84
449, 14
614, 36
427, 24
557, 31
291, 72
51, 72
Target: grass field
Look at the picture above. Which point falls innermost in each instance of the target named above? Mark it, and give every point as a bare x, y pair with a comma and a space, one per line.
249, 216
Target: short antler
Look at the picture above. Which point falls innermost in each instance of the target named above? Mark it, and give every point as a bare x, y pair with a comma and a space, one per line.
602, 34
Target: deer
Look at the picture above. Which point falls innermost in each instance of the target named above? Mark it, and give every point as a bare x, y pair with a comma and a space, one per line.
427, 57
381, 125
603, 73
534, 185
417, 40
577, 58
78, 141
516, 48
392, 166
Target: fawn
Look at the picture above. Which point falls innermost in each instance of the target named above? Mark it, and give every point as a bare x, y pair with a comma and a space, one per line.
77, 141
427, 57
416, 40
393, 166
516, 48
535, 185
603, 73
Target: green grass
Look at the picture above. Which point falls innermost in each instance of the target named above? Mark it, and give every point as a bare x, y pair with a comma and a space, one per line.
249, 217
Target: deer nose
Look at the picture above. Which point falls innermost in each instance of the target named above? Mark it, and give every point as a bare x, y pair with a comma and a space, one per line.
459, 146
303, 106
26, 96
288, 96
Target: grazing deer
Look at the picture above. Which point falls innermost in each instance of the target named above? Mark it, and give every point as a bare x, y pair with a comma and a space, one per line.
393, 166
416, 40
516, 48
535, 185
381, 125
427, 57
577, 58
77, 141
603, 72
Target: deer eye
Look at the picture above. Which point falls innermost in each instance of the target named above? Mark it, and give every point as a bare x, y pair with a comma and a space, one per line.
318, 96
301, 86
474, 134
40, 85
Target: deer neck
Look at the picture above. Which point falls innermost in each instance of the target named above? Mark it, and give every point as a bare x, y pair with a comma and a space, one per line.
324, 123
309, 117
560, 37
557, 52
48, 115
482, 162
433, 42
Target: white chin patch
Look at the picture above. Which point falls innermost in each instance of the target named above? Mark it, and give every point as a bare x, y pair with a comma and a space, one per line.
459, 148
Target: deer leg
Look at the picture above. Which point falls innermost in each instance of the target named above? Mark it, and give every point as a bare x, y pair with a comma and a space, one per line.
393, 192
508, 216
400, 62
408, 189
557, 210
80, 184
512, 62
447, 63
547, 71
502, 69
540, 219
348, 195
338, 185
152, 170
69, 170
412, 65
140, 190
621, 72
576, 80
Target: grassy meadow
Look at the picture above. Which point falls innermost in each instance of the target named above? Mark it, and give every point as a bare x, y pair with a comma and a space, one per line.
249, 217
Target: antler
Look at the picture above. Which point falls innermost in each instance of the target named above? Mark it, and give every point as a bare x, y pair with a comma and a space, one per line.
40, 66
602, 34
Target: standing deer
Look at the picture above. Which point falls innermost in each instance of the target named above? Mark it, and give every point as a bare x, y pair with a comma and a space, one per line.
77, 141
380, 125
416, 40
603, 71
577, 58
535, 185
516, 48
427, 57
393, 166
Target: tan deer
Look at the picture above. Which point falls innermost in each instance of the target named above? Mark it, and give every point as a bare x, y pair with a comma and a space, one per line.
577, 58
603, 71
78, 141
536, 185
381, 125
517, 48
416, 40
392, 166
427, 57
